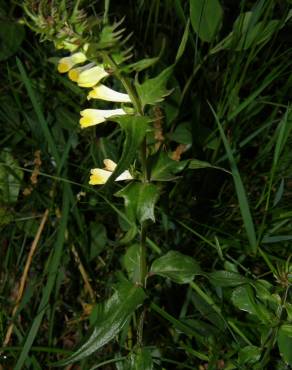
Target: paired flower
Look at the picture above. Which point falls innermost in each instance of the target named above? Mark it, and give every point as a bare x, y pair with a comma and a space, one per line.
91, 117
100, 176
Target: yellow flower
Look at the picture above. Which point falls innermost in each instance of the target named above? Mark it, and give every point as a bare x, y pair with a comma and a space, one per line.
66, 63
100, 176
91, 77
105, 93
74, 73
91, 117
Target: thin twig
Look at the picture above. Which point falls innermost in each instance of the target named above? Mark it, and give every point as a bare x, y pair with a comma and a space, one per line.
83, 274
24, 276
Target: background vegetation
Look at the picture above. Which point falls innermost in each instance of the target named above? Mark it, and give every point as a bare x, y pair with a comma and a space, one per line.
230, 210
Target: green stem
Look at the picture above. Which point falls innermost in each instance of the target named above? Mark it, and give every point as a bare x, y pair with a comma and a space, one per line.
138, 107
143, 236
106, 10
143, 263
144, 160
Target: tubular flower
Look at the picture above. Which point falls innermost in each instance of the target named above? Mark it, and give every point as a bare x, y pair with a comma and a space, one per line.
105, 93
91, 77
74, 73
100, 176
91, 117
66, 63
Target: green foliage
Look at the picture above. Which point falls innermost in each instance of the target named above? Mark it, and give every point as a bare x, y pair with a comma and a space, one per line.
10, 178
285, 342
11, 37
246, 33
140, 199
111, 319
206, 18
142, 360
249, 355
153, 90
226, 278
177, 267
165, 168
131, 262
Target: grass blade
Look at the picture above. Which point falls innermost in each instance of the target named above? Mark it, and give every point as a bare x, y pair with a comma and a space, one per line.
240, 190
53, 271
38, 110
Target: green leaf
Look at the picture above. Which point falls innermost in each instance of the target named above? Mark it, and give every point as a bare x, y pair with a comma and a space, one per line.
249, 355
141, 65
246, 33
183, 42
196, 164
182, 134
288, 307
165, 168
240, 190
206, 17
154, 90
98, 236
135, 128
244, 299
140, 199
11, 37
226, 278
116, 311
131, 262
176, 266
10, 178
262, 288
141, 360
285, 342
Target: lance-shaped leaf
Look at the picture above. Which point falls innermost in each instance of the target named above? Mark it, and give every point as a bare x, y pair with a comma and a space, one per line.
176, 266
154, 90
206, 17
135, 128
112, 317
140, 199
